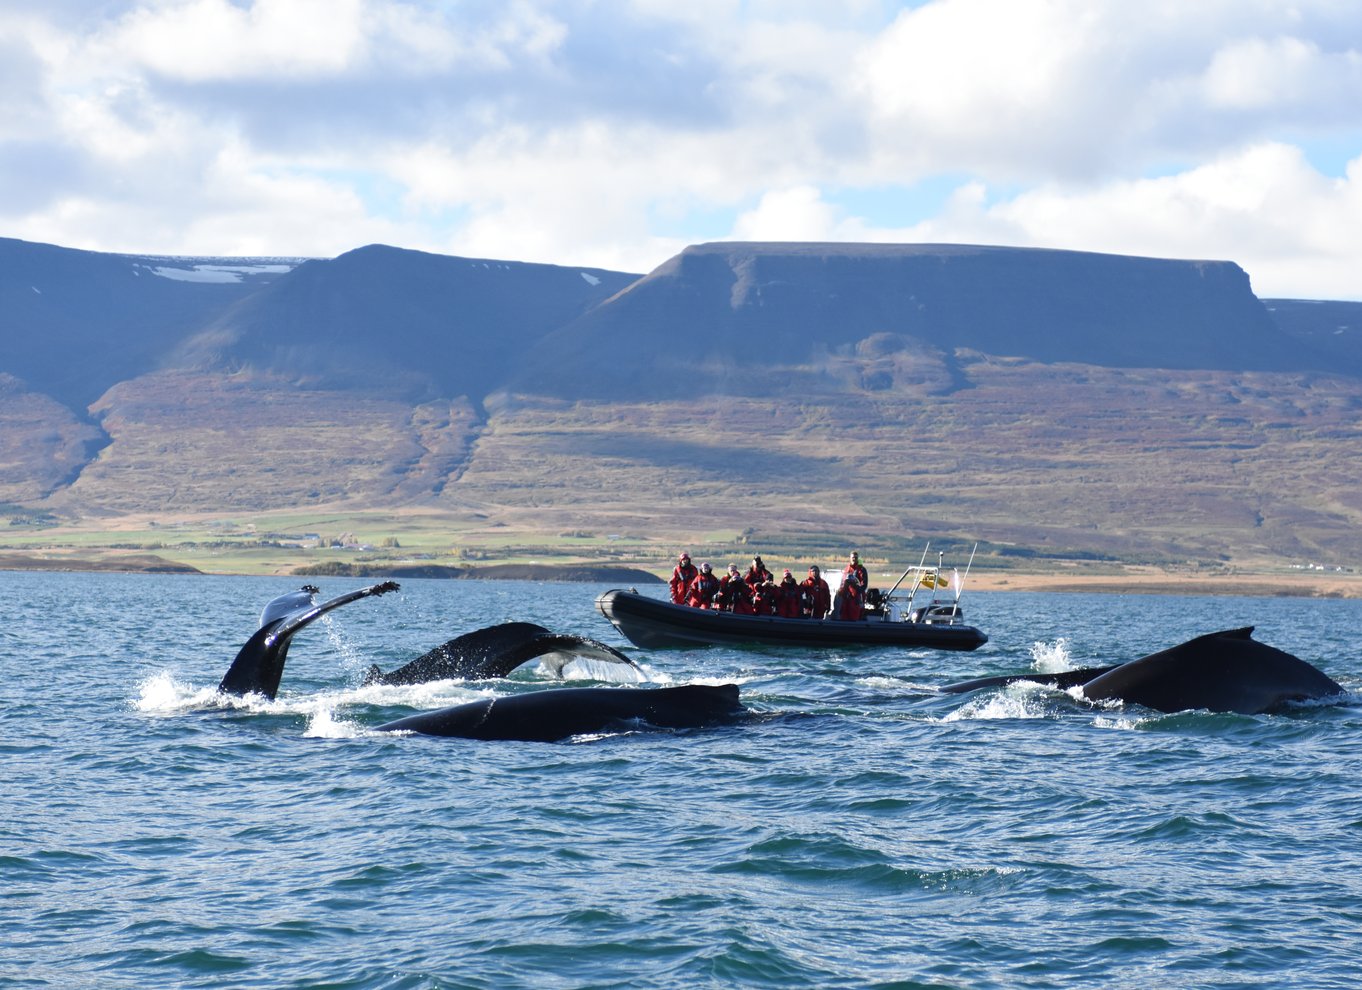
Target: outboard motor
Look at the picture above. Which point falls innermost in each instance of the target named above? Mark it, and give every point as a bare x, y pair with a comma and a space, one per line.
874, 602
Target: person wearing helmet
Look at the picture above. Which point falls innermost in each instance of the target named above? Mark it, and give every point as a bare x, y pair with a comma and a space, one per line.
816, 598
682, 575
703, 588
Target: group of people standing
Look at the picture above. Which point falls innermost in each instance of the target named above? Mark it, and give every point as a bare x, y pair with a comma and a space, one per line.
758, 593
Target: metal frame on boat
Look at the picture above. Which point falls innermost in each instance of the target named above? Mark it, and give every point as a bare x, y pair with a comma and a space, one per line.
917, 618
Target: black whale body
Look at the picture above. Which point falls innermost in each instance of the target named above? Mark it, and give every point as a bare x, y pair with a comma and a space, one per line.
558, 713
259, 664
493, 652
1227, 671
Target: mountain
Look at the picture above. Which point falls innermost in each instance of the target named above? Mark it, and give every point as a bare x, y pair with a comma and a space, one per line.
73, 323
404, 322
761, 318
1055, 401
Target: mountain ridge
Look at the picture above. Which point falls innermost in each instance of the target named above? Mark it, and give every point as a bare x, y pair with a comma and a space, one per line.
1041, 397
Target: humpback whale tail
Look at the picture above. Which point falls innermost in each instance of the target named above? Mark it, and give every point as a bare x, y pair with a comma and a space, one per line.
259, 665
494, 652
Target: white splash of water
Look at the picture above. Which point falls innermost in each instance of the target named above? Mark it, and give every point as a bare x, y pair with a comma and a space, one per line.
1021, 699
351, 659
323, 724
1051, 658
162, 694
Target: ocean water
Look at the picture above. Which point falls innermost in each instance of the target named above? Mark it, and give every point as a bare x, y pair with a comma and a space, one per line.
863, 831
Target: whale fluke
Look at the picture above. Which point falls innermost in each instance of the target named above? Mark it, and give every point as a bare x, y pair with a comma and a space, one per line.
259, 664
1227, 671
559, 713
494, 652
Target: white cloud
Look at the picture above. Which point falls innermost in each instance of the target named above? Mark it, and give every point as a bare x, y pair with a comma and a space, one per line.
613, 135
1294, 230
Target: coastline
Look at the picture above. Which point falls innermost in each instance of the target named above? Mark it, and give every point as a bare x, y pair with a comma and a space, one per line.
1304, 584
1131, 581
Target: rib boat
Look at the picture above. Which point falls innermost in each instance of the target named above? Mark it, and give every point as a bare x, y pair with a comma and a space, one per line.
913, 620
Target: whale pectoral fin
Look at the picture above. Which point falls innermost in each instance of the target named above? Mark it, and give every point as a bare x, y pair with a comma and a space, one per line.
259, 665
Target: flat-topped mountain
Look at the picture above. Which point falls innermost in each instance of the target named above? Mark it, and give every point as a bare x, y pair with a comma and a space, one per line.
1056, 400
758, 318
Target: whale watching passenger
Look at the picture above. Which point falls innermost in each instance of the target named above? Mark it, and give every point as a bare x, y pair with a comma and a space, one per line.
682, 576
851, 598
734, 594
854, 566
764, 597
703, 588
757, 573
787, 597
816, 599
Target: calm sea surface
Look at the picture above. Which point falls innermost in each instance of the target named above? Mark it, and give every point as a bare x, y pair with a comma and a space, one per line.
866, 831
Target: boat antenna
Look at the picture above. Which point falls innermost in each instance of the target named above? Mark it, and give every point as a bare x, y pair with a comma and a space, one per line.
907, 570
961, 590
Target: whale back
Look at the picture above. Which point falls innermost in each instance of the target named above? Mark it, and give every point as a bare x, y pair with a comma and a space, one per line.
1226, 671
558, 713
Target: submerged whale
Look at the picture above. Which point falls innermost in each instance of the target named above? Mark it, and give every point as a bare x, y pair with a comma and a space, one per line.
495, 652
557, 713
259, 665
1226, 671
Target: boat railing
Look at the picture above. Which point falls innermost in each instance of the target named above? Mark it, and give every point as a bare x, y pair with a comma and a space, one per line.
932, 595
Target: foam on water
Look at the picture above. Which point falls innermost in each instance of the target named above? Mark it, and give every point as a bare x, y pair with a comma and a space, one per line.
1018, 700
323, 724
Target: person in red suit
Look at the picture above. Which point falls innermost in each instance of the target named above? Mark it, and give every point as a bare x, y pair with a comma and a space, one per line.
757, 574
851, 599
682, 576
817, 599
787, 597
734, 594
703, 588
764, 598
854, 566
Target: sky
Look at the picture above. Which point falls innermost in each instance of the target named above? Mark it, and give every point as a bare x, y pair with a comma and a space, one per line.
613, 134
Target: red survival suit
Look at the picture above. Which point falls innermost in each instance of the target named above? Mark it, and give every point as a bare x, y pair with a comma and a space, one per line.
702, 591
788, 598
817, 599
852, 597
682, 576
